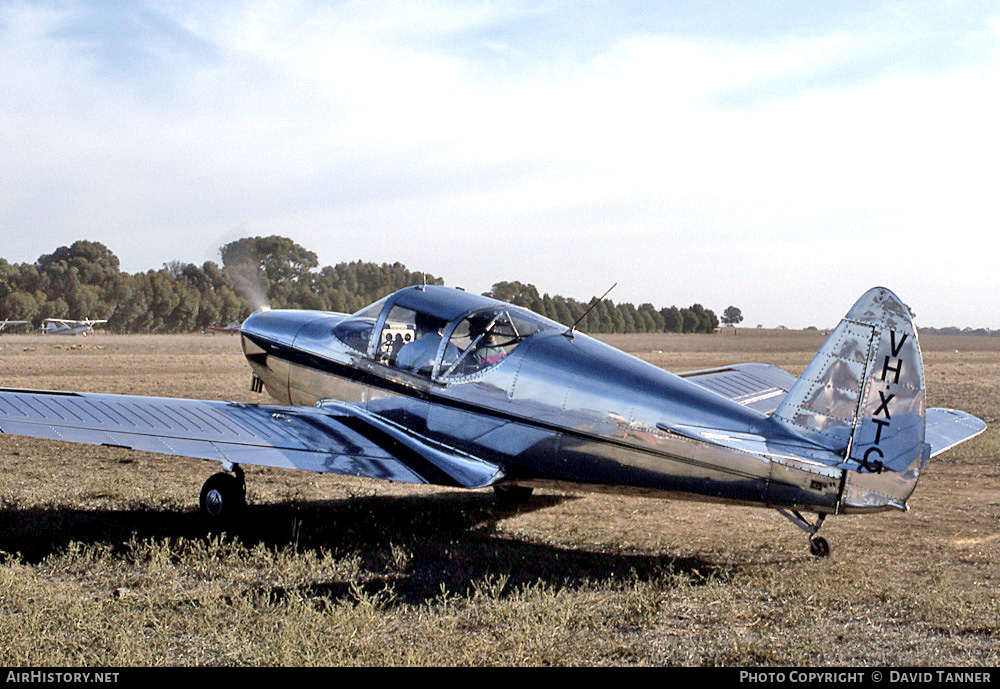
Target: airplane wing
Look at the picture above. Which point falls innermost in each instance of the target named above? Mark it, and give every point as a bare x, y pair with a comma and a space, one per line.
336, 438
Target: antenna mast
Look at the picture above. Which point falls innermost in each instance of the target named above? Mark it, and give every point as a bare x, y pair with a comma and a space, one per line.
593, 302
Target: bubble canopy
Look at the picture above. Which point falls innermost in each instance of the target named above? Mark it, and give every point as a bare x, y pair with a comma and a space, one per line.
439, 331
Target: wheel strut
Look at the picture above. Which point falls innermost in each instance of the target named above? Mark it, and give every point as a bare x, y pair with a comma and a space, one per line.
818, 545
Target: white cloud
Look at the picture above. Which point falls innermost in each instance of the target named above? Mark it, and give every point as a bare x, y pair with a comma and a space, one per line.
687, 168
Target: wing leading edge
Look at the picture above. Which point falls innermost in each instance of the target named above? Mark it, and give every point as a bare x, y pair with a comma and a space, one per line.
333, 438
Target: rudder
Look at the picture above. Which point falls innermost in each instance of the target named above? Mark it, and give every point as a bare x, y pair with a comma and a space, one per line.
862, 395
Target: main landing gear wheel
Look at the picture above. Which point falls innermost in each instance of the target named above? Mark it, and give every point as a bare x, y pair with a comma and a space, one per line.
223, 499
508, 495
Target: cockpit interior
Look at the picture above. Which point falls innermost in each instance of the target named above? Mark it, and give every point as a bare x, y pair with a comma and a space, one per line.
441, 334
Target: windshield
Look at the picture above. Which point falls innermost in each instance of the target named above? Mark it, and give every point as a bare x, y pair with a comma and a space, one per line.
355, 331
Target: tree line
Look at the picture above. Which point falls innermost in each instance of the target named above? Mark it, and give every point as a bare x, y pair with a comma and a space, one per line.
955, 330
606, 316
85, 280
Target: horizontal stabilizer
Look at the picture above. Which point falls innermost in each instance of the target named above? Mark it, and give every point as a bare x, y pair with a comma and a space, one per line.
758, 386
946, 428
340, 439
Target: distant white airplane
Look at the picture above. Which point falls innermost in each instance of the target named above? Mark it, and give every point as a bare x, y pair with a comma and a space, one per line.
7, 322
232, 328
61, 326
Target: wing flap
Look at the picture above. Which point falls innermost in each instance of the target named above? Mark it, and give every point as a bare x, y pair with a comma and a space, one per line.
338, 438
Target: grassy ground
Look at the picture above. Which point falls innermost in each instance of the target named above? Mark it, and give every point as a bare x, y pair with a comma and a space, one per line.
103, 560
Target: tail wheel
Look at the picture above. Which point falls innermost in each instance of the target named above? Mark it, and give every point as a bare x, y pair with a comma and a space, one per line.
819, 547
223, 499
817, 544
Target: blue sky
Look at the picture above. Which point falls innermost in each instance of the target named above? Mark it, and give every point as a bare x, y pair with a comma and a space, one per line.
779, 156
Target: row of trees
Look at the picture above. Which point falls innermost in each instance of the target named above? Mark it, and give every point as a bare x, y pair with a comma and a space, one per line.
606, 316
955, 330
85, 281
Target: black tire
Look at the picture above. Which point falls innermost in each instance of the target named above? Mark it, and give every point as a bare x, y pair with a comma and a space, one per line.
223, 499
508, 495
819, 547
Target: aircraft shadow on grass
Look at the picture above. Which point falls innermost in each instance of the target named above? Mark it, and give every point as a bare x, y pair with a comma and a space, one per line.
450, 540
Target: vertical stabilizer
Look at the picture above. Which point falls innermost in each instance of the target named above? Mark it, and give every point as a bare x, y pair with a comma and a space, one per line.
862, 395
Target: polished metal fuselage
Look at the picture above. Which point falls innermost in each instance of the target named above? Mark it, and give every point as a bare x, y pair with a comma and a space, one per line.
560, 410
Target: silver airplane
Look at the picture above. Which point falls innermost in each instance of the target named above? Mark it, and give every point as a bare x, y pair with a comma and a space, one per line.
62, 326
436, 385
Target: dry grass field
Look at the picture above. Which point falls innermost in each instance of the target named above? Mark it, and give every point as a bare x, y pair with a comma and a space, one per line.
104, 561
